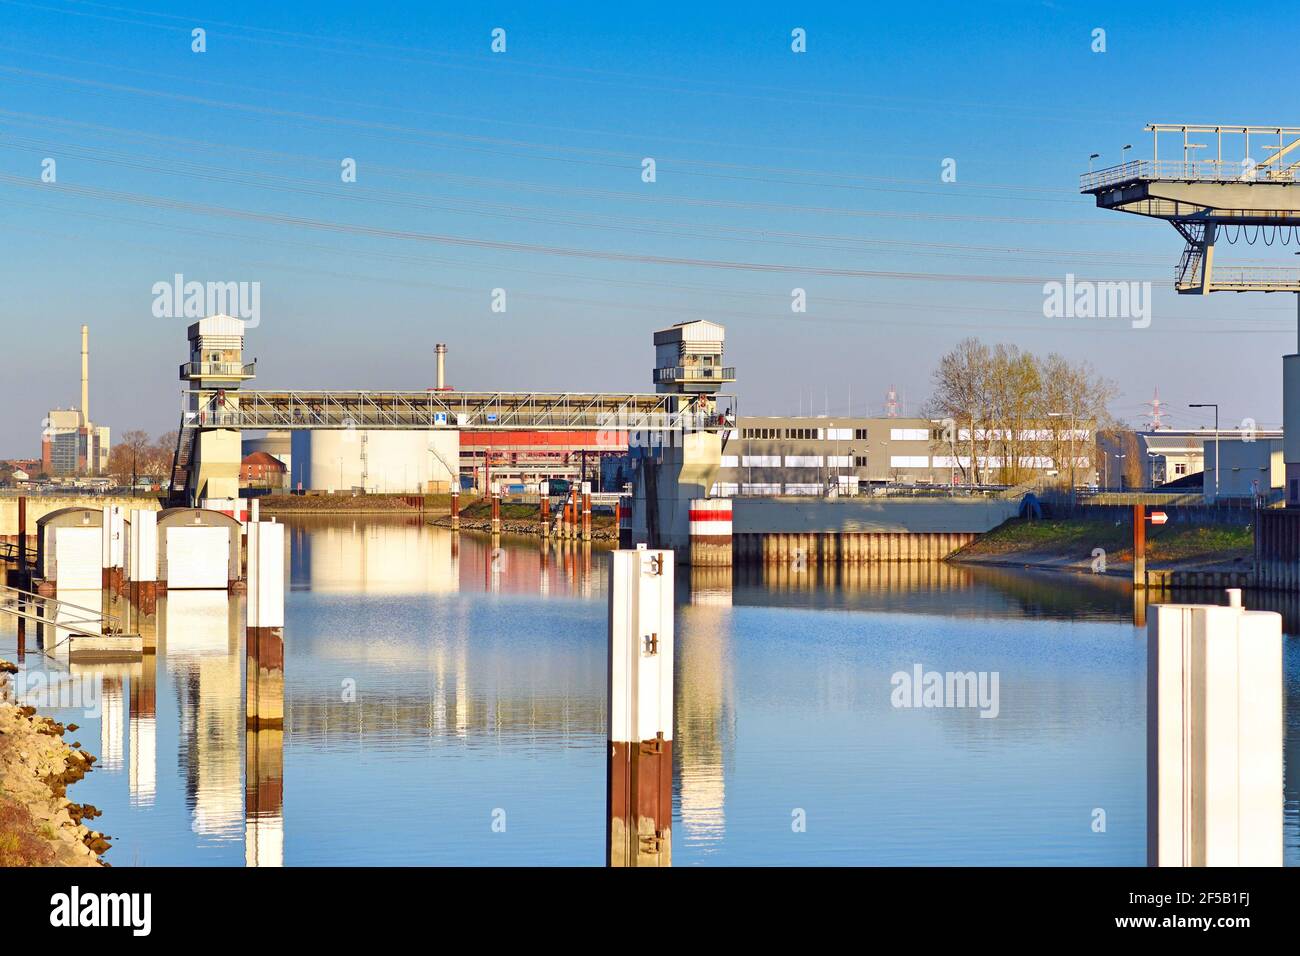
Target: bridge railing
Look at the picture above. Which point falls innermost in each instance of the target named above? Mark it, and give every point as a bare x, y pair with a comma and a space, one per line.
614, 413
1199, 170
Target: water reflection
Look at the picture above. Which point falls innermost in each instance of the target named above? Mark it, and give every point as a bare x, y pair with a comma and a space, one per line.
425, 676
704, 709
200, 631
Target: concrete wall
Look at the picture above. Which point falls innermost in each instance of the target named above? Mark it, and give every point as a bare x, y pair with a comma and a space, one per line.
1242, 464
917, 516
215, 468
666, 483
41, 505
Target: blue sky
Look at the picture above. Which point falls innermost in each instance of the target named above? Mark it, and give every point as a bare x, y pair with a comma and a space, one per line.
522, 170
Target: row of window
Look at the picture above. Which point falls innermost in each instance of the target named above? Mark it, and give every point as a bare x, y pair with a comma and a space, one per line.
848, 484
794, 461
913, 434
835, 434
895, 461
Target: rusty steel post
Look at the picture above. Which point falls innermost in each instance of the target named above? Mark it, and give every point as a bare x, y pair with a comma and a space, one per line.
23, 581
1140, 546
496, 509
455, 506
544, 503
639, 792
22, 541
586, 511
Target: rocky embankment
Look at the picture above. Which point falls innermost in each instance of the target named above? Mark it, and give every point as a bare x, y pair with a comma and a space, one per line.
39, 825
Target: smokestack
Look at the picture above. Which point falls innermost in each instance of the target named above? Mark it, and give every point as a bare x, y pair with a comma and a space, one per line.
85, 376
441, 351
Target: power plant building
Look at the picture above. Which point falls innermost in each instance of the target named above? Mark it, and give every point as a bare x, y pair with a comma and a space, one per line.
71, 444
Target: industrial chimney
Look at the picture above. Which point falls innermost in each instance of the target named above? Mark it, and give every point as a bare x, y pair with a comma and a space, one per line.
441, 351
85, 376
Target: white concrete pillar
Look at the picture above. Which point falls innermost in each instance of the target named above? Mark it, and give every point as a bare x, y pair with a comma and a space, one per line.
1214, 736
113, 546
143, 537
265, 574
640, 780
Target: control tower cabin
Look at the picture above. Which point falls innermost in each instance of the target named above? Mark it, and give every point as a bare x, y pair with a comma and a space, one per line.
688, 359
1250, 193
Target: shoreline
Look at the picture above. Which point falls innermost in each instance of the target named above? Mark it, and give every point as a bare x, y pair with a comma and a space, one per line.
39, 825
514, 527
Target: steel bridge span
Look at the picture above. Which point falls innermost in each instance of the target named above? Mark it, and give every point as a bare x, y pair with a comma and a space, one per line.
468, 411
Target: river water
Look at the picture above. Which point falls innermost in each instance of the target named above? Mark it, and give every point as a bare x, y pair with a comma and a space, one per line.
448, 707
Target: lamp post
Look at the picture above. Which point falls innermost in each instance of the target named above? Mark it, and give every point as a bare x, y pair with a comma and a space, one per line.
1120, 466
1091, 157
1216, 441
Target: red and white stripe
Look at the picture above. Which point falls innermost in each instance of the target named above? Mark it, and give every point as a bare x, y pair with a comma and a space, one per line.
711, 518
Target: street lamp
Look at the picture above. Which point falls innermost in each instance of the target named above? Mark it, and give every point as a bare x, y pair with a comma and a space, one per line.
1123, 153
1091, 157
1216, 442
1118, 458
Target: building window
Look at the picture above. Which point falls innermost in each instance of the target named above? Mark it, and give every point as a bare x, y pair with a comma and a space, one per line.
859, 434
860, 461
730, 461
761, 461
803, 461
760, 489
803, 434
839, 434
909, 461
909, 434
839, 461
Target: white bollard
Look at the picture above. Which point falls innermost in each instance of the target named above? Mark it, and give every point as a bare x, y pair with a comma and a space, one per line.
144, 545
640, 707
113, 545
1214, 736
265, 575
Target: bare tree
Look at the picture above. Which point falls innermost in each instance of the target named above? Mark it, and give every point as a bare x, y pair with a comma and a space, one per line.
1009, 414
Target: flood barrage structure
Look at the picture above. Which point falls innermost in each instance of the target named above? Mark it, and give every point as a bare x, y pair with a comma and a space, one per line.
381, 440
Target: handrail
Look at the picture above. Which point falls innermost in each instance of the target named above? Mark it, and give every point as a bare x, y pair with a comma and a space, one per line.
1177, 170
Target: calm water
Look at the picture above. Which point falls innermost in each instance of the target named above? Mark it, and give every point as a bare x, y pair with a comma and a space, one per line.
428, 695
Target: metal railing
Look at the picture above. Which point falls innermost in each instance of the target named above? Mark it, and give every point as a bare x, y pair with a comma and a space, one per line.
611, 414
218, 369
694, 373
63, 615
1240, 278
1200, 170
